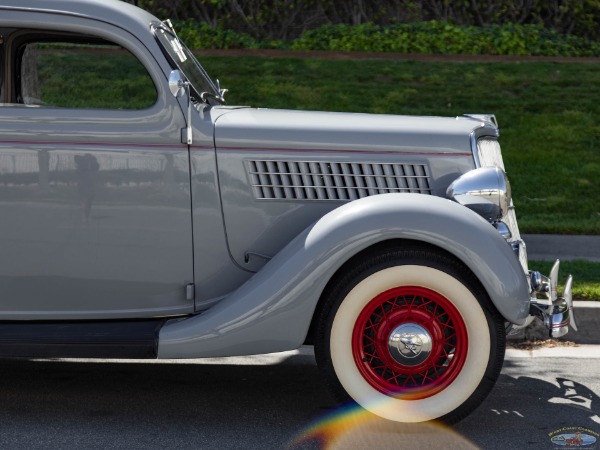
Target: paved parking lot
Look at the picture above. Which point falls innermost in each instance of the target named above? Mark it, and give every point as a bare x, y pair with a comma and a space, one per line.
272, 402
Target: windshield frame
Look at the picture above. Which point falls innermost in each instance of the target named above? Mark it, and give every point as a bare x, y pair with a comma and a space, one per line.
181, 57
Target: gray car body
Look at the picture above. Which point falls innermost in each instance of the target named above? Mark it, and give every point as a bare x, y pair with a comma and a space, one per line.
259, 265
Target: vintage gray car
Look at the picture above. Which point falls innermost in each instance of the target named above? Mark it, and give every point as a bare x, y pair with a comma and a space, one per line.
142, 217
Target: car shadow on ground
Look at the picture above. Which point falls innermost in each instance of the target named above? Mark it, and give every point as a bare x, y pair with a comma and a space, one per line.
281, 404
529, 410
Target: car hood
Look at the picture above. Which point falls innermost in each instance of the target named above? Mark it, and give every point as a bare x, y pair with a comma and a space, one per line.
274, 129
253, 146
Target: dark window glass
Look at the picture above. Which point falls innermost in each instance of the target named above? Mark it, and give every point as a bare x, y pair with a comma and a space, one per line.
80, 75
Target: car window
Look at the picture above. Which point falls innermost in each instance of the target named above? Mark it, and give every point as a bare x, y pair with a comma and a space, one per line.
81, 75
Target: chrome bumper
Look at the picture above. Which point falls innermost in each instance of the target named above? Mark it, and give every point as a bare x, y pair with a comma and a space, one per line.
556, 312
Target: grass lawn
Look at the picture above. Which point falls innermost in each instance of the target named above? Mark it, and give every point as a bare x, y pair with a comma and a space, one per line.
548, 114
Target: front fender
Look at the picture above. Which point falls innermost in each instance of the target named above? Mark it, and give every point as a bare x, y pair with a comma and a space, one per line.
272, 311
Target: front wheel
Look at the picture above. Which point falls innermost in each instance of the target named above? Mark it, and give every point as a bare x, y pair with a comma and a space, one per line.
410, 335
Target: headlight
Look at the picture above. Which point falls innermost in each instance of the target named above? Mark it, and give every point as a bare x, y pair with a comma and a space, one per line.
485, 190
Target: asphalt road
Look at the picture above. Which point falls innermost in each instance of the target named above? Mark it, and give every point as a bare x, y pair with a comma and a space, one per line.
270, 402
548, 247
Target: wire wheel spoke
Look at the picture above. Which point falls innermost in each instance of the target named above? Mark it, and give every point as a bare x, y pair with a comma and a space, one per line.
410, 339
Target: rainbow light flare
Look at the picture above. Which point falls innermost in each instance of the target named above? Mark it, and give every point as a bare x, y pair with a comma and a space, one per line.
352, 427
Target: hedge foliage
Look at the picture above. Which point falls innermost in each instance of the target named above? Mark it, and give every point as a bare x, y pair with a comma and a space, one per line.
288, 19
431, 37
198, 35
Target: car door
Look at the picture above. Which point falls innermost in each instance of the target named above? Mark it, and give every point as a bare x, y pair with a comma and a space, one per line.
94, 180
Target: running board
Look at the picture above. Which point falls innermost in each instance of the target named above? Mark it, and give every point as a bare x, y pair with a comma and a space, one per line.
110, 339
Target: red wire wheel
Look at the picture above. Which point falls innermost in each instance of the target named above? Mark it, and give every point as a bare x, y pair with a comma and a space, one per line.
409, 342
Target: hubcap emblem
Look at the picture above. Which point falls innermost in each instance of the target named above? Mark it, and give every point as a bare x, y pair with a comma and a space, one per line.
409, 344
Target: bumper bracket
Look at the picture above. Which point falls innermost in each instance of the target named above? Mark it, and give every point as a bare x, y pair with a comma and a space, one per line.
555, 312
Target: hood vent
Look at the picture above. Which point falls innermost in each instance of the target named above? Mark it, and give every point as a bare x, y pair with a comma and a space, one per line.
318, 180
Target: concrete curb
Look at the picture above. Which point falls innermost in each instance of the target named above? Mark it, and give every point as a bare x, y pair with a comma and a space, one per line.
579, 352
587, 315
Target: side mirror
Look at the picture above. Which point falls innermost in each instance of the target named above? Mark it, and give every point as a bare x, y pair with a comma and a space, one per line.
177, 83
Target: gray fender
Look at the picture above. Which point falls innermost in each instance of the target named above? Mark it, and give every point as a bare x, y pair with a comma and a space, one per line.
272, 311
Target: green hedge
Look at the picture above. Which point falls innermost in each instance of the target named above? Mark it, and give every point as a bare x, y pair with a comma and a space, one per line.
288, 19
200, 35
425, 37
442, 38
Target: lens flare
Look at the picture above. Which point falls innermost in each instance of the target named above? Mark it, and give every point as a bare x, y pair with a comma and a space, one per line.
351, 427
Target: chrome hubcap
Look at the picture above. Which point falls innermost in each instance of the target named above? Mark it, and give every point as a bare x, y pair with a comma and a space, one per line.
409, 344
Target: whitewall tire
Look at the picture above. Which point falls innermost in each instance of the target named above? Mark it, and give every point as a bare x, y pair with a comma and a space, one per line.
410, 336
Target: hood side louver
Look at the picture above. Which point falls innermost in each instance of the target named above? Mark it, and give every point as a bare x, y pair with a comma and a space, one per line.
318, 180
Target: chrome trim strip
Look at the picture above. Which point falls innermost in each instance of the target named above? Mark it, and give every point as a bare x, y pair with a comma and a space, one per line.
474, 149
96, 144
345, 151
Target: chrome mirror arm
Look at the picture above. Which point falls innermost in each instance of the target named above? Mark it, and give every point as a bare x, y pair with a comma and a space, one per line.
189, 112
179, 86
